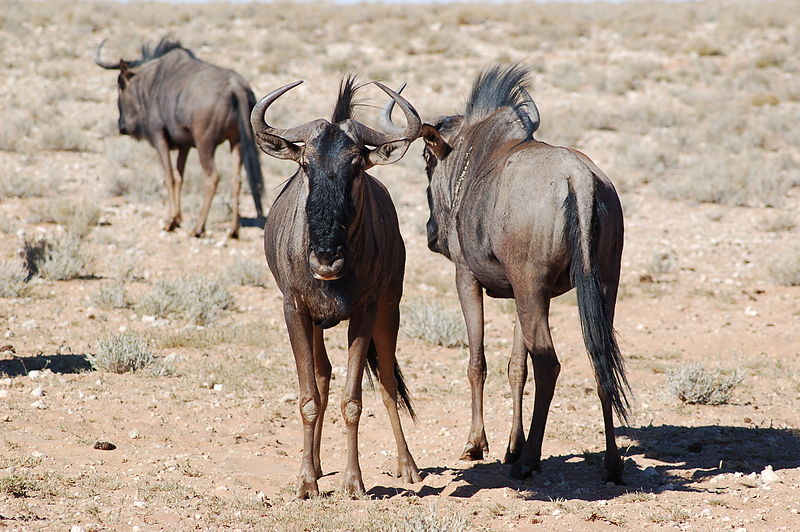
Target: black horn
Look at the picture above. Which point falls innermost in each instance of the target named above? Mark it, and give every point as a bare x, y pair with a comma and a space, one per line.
100, 62
260, 125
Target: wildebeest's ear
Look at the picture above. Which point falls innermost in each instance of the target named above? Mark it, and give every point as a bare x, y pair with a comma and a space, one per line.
388, 153
125, 73
278, 147
434, 141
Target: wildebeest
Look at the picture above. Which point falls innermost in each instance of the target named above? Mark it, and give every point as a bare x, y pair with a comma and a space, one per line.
333, 244
176, 101
526, 220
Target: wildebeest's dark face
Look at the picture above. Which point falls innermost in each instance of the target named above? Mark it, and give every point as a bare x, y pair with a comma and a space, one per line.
333, 164
130, 120
435, 152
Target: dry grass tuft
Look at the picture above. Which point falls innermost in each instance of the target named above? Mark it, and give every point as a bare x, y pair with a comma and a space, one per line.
246, 272
13, 280
77, 216
785, 270
55, 258
434, 324
198, 300
121, 353
697, 385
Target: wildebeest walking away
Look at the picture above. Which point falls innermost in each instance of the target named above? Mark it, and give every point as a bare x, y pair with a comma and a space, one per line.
526, 220
333, 244
176, 101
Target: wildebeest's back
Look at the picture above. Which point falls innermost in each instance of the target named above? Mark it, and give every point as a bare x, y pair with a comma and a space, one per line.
376, 253
191, 98
512, 213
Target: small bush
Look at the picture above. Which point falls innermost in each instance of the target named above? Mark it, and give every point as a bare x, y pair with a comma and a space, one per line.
195, 299
786, 269
77, 216
22, 185
112, 296
697, 385
780, 222
60, 138
55, 259
246, 272
12, 280
14, 129
16, 486
434, 324
121, 353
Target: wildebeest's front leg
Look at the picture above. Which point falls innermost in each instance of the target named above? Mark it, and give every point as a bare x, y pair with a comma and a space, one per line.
385, 338
532, 312
173, 217
517, 376
322, 372
298, 323
359, 335
470, 293
205, 151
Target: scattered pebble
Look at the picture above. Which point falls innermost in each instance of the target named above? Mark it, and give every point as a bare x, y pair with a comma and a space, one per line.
217, 387
38, 391
29, 325
134, 434
139, 504
104, 446
77, 528
34, 374
768, 475
649, 472
3, 394
40, 404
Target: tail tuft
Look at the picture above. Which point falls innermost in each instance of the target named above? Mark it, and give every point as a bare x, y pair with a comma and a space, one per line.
402, 389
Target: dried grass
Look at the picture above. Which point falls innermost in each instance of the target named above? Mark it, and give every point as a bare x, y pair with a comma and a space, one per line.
697, 385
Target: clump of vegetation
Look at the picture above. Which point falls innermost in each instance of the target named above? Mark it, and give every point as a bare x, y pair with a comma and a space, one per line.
16, 485
13, 279
55, 258
121, 353
24, 185
57, 137
785, 270
246, 272
195, 299
77, 216
780, 222
434, 324
430, 521
696, 384
14, 129
114, 295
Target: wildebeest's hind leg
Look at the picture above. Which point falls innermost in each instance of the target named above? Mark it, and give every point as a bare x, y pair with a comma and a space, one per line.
517, 376
173, 215
322, 373
532, 312
385, 338
206, 152
359, 336
298, 323
236, 186
183, 153
470, 294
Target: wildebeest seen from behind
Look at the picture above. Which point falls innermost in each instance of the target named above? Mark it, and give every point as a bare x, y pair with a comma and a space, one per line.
526, 220
333, 244
177, 102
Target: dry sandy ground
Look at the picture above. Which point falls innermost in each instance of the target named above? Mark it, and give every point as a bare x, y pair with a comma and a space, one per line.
671, 100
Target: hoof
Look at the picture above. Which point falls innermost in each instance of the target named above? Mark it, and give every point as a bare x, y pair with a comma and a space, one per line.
522, 471
614, 476
307, 488
408, 472
171, 225
354, 487
511, 457
233, 235
474, 451
197, 233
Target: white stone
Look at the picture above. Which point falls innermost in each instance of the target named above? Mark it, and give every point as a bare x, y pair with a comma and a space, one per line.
650, 472
35, 374
3, 394
217, 387
768, 475
134, 434
29, 325
140, 504
77, 528
38, 391
40, 404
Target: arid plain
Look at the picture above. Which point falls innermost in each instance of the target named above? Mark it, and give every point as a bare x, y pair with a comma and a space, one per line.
692, 109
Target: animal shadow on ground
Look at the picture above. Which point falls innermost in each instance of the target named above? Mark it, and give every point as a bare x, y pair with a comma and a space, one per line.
55, 363
682, 457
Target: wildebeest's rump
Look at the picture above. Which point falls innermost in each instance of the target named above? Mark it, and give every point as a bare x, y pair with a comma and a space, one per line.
178, 102
333, 244
526, 220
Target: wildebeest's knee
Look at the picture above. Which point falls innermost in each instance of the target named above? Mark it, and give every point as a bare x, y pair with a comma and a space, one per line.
351, 411
309, 410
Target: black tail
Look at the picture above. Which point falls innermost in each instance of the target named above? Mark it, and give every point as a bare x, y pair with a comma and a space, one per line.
249, 151
598, 330
402, 390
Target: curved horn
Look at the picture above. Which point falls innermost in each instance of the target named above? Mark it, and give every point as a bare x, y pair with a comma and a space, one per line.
386, 113
413, 121
100, 62
259, 122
